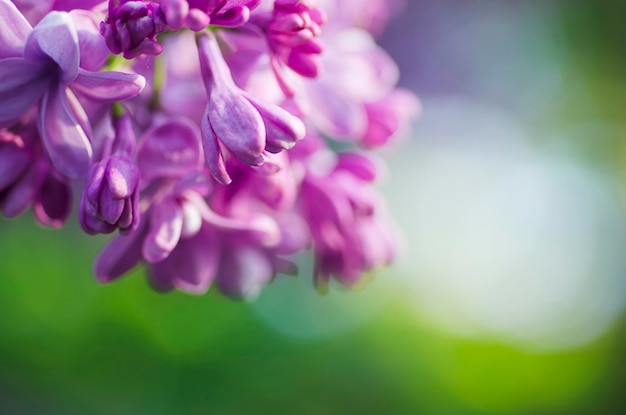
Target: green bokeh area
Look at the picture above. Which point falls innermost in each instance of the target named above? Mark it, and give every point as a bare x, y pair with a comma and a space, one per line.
70, 346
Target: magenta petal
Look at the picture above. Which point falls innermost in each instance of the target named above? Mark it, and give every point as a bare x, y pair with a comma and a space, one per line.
21, 85
170, 150
108, 86
55, 38
54, 202
15, 30
166, 224
359, 165
65, 140
119, 256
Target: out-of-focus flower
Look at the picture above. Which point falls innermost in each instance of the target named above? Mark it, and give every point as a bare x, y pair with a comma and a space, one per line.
350, 233
26, 178
198, 14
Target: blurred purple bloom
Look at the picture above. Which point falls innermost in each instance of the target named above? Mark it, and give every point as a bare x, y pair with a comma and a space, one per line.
389, 117
26, 178
131, 28
198, 14
350, 234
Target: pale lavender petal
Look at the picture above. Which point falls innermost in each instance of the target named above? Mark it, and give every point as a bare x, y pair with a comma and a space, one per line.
65, 140
170, 150
55, 38
166, 223
108, 86
93, 50
15, 30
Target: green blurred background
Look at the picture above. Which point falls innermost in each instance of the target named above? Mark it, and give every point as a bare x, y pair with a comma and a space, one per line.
414, 340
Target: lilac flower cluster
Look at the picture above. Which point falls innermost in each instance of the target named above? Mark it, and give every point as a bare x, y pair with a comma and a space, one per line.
205, 133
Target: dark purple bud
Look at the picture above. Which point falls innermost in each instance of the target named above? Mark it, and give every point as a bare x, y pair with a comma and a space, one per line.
132, 26
110, 198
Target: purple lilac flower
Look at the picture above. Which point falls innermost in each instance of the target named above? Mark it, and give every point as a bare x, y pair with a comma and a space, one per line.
246, 126
232, 175
43, 64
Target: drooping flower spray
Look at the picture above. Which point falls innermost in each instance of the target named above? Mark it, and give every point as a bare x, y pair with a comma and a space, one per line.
202, 133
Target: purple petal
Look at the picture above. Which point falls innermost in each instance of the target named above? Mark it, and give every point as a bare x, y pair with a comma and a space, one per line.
21, 85
170, 150
65, 140
55, 38
243, 272
283, 130
361, 166
93, 50
175, 12
95, 180
166, 223
107, 87
192, 266
110, 209
122, 177
15, 30
333, 113
119, 256
237, 124
212, 153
